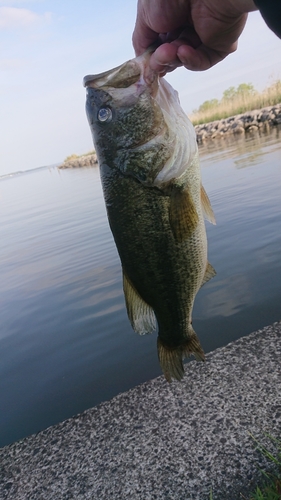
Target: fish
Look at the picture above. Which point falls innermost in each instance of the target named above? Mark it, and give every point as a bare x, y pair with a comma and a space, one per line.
156, 204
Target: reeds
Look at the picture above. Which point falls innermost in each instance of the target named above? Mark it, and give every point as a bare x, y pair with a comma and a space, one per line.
239, 102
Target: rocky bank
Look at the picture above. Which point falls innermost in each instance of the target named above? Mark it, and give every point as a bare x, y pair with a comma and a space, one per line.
250, 122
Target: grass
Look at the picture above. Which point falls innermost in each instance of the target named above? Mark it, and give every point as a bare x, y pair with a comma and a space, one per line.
271, 489
74, 156
240, 102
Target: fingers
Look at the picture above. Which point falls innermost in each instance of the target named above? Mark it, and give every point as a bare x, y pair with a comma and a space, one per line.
201, 58
165, 59
143, 37
170, 56
197, 43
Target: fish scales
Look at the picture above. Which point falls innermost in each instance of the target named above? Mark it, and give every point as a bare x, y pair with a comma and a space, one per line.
156, 263
152, 188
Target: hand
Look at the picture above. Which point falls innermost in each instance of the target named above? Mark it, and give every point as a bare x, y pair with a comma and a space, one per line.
196, 34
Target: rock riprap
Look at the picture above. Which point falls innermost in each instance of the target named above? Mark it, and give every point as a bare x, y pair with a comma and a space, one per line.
252, 121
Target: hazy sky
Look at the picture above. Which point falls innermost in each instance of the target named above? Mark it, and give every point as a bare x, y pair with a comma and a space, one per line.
48, 46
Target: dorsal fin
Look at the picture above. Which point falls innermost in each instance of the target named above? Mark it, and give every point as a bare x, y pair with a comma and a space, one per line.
206, 206
140, 314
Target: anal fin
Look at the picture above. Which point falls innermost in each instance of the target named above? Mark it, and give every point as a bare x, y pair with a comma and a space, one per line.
140, 314
209, 273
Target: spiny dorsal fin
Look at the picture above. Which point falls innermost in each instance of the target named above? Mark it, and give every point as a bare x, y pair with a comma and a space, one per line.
209, 273
140, 314
206, 206
183, 214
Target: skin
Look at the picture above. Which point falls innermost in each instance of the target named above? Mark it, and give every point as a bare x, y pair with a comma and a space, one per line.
196, 34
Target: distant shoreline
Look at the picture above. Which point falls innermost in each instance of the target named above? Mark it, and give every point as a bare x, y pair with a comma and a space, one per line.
258, 120
87, 160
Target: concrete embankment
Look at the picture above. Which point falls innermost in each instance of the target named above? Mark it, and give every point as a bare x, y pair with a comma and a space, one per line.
250, 122
161, 441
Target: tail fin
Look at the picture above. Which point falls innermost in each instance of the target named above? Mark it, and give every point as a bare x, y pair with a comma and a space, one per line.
171, 358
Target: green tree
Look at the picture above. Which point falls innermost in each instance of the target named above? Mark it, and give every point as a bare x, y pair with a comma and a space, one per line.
245, 89
229, 94
208, 105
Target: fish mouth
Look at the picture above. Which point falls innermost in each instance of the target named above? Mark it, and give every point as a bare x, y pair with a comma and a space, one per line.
127, 74
122, 76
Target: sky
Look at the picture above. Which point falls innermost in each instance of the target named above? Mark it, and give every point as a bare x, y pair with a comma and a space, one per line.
47, 47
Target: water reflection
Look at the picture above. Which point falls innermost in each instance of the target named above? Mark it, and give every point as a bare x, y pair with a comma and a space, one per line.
65, 340
244, 185
227, 296
245, 149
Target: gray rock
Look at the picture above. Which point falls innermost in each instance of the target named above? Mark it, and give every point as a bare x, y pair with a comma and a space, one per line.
240, 124
253, 128
238, 130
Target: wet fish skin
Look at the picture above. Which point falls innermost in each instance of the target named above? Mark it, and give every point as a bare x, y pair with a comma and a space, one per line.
157, 223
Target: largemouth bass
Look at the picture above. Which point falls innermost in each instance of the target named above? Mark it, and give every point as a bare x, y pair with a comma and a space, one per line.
148, 158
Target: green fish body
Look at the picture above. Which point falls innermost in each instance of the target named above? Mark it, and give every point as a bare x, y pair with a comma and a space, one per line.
150, 173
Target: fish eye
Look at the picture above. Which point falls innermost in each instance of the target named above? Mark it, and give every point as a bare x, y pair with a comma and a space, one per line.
105, 115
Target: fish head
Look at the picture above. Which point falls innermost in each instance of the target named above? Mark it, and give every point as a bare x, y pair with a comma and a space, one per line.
121, 109
137, 124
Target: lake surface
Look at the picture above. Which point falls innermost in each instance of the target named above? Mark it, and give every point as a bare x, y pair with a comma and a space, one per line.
65, 341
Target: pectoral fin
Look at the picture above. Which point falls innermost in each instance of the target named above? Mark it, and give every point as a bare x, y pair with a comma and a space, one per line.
206, 206
140, 314
183, 214
209, 273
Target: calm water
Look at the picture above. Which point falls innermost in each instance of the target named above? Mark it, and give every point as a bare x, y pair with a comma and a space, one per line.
65, 341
